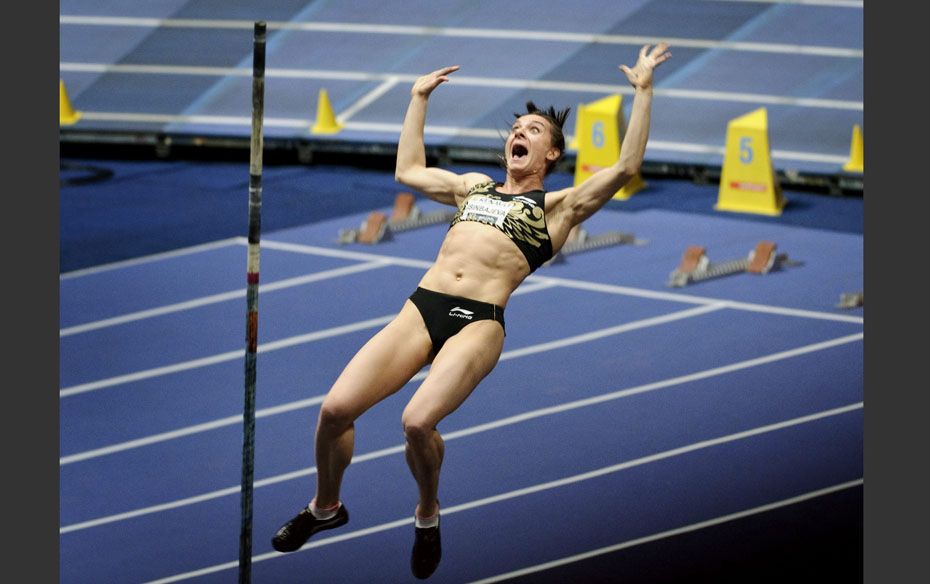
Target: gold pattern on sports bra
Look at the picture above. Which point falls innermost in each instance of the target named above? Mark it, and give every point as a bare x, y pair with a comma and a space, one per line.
524, 222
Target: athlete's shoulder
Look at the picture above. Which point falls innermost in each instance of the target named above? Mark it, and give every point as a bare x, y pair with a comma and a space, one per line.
477, 179
481, 184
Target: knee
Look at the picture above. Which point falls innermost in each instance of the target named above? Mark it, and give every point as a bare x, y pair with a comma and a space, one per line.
417, 429
335, 417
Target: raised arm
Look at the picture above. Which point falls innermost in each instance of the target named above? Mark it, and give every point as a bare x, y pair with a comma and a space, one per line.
581, 201
411, 170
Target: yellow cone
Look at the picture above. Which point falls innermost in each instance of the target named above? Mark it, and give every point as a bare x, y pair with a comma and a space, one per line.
856, 158
67, 115
748, 183
325, 119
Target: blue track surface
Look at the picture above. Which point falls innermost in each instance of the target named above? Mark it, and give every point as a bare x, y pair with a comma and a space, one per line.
621, 408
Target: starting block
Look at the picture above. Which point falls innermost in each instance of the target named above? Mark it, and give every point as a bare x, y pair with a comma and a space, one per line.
695, 267
584, 242
405, 215
851, 300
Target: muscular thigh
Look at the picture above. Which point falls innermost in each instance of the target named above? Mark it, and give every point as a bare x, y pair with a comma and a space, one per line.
463, 362
383, 365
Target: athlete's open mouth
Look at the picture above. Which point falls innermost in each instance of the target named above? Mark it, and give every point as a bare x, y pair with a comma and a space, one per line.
518, 151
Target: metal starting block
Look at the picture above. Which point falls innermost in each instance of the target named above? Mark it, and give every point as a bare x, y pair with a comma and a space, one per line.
695, 267
404, 216
851, 300
584, 242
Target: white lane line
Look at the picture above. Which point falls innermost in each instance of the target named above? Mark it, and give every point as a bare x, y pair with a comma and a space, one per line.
757, 98
367, 99
221, 297
831, 3
565, 482
738, 366
187, 431
672, 532
208, 71
223, 357
191, 119
390, 80
808, 156
262, 348
642, 293
533, 286
615, 330
475, 33
340, 253
306, 403
149, 258
577, 284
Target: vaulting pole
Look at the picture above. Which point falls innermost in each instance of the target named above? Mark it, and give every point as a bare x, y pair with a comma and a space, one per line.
251, 335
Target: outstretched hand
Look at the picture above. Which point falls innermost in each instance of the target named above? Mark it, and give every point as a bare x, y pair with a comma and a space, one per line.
425, 85
640, 76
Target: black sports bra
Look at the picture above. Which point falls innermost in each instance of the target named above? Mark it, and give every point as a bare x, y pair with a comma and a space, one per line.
521, 217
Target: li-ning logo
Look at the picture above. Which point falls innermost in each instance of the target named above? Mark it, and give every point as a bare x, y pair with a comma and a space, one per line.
461, 313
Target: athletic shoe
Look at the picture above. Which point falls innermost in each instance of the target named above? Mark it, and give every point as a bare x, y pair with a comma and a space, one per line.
295, 533
427, 551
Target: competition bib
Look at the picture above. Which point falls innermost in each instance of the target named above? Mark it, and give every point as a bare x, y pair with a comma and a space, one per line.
486, 210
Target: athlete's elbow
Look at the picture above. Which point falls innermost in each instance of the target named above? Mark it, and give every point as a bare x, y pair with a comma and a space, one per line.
628, 170
402, 175
407, 172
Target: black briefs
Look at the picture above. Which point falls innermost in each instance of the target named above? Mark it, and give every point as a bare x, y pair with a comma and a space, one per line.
446, 315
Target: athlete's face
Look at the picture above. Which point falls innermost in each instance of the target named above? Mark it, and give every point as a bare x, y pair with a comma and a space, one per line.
529, 146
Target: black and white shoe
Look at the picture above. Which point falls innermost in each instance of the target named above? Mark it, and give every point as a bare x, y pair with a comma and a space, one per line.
427, 551
295, 533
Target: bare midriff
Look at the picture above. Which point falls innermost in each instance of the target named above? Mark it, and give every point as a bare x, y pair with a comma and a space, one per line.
479, 262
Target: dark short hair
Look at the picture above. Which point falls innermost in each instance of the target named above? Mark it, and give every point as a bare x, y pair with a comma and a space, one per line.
556, 121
